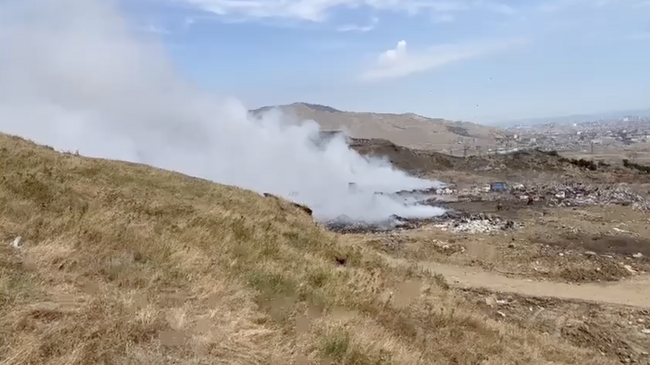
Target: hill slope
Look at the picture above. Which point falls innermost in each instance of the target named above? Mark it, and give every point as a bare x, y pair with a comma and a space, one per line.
408, 130
125, 264
423, 162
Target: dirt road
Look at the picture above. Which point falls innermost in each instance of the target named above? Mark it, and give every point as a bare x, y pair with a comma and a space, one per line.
633, 292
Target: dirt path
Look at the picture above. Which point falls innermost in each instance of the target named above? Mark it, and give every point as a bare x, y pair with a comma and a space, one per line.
632, 292
635, 292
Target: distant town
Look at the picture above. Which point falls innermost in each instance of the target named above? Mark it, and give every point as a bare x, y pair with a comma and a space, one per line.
587, 137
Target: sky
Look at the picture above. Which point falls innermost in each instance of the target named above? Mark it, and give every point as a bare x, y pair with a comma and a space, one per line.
476, 60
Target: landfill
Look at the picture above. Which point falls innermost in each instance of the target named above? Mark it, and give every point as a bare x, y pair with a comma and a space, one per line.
560, 195
578, 194
478, 223
453, 221
554, 195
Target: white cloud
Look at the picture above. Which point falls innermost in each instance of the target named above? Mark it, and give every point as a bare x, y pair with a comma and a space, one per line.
359, 28
319, 10
310, 10
398, 62
555, 5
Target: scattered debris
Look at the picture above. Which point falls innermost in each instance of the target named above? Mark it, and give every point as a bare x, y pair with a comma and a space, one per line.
629, 269
498, 187
637, 255
441, 190
556, 195
453, 221
559, 195
17, 243
578, 194
478, 223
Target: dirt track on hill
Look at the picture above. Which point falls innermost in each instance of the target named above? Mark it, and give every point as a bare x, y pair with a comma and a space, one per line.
631, 292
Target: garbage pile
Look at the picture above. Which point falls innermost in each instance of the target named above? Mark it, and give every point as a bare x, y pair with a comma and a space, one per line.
557, 195
478, 223
345, 225
453, 221
443, 190
577, 194
560, 195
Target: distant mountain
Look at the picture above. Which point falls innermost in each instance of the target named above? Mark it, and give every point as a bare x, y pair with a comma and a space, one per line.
316, 107
410, 130
578, 118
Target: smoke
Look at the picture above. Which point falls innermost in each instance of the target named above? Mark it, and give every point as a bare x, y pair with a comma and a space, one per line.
73, 76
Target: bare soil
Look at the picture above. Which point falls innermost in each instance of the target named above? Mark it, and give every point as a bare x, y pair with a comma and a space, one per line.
567, 273
579, 274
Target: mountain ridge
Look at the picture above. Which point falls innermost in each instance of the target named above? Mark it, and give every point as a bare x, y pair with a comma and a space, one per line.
406, 129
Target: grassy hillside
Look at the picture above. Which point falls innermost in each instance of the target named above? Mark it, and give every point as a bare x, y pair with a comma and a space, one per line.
126, 264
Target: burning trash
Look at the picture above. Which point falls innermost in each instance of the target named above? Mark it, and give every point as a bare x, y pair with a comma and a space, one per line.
457, 222
345, 225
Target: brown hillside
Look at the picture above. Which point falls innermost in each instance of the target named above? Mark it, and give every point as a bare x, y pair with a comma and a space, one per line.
410, 130
121, 263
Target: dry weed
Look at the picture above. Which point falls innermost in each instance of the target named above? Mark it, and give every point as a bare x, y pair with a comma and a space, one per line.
127, 264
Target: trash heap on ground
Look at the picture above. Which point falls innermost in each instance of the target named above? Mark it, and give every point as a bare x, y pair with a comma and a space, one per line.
558, 195
443, 190
453, 221
578, 194
477, 223
555, 195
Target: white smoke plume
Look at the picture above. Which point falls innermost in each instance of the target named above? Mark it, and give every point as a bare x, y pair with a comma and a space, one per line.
73, 76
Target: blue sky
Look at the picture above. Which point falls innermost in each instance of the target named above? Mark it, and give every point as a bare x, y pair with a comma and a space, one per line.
477, 60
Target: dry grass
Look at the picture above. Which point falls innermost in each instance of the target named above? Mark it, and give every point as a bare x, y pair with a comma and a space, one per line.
126, 264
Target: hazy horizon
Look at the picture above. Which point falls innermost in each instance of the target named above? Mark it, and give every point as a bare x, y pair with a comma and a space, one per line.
607, 114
